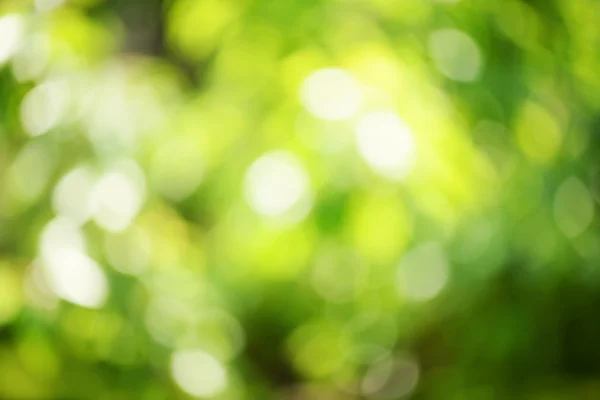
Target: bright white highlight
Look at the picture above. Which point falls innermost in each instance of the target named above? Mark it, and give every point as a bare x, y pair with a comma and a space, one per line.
43, 107
277, 184
331, 94
423, 272
455, 54
76, 278
71, 197
69, 272
198, 373
60, 233
118, 196
11, 33
386, 144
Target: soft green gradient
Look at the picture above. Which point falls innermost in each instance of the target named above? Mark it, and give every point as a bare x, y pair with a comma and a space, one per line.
306, 199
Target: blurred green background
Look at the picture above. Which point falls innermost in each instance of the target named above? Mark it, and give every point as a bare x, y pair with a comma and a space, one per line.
301, 199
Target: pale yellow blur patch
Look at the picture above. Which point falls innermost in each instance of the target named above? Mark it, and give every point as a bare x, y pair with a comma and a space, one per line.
172, 242
379, 226
573, 207
252, 248
451, 177
376, 65
196, 27
11, 298
538, 134
281, 255
297, 66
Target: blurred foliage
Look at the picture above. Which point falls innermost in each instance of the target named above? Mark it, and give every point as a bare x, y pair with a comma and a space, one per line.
306, 199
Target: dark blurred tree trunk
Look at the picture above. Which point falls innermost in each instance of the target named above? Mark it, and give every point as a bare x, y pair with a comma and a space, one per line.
145, 32
144, 25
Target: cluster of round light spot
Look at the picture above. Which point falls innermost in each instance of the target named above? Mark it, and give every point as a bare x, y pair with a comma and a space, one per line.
112, 200
276, 186
383, 140
69, 273
276, 183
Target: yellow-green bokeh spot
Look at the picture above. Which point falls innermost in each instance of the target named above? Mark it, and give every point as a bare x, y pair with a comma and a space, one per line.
11, 296
538, 133
519, 22
16, 382
298, 65
38, 356
195, 27
376, 65
91, 334
320, 349
248, 62
452, 177
73, 34
256, 249
410, 12
281, 253
379, 226
171, 239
